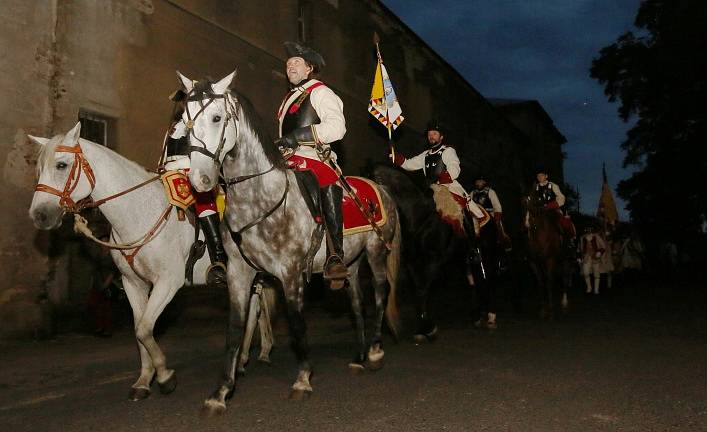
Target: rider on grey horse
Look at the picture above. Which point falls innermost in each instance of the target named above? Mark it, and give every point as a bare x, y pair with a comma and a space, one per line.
176, 157
311, 119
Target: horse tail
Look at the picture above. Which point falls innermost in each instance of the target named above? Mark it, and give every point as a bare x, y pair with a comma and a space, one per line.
392, 270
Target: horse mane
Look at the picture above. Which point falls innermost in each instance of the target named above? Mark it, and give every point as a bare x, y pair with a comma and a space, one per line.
415, 203
252, 120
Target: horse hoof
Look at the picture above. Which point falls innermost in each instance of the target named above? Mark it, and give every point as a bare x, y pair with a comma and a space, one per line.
240, 371
356, 368
265, 360
374, 365
213, 408
300, 395
425, 338
170, 385
138, 394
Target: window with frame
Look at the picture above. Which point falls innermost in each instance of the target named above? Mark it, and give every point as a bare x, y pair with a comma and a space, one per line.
97, 128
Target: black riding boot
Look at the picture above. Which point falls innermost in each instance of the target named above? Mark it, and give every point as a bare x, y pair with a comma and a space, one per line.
334, 268
216, 274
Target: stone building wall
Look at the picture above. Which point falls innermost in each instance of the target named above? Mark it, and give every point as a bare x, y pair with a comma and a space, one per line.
117, 59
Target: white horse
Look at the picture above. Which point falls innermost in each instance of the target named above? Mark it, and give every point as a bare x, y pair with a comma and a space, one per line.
75, 173
270, 218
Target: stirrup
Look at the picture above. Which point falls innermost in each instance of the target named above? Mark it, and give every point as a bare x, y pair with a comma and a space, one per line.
336, 280
218, 278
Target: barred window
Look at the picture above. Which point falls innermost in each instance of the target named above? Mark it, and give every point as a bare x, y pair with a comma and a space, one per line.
97, 128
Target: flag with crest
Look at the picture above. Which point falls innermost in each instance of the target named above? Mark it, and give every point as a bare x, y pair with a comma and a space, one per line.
384, 104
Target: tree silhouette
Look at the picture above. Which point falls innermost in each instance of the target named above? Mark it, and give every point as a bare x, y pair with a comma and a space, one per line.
659, 76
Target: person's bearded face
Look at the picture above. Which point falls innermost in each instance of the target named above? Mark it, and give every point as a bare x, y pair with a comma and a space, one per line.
434, 138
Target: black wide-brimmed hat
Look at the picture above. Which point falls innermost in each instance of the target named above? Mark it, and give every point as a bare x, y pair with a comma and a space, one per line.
294, 49
540, 169
481, 177
436, 125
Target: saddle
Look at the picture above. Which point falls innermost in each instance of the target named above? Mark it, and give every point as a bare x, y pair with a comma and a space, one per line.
354, 220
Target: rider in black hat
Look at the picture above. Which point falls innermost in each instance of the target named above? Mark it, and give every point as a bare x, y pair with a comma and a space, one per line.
311, 118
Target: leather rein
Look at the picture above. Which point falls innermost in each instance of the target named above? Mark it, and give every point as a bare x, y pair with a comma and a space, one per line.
68, 204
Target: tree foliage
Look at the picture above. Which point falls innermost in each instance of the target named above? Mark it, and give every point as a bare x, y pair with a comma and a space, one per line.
659, 77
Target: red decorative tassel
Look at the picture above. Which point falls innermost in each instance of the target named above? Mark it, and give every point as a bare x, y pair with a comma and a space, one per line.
293, 108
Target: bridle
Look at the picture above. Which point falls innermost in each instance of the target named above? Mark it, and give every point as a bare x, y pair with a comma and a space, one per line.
230, 105
68, 205
79, 166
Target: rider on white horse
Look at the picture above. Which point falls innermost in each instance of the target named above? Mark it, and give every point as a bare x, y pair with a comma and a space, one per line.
441, 166
176, 157
311, 119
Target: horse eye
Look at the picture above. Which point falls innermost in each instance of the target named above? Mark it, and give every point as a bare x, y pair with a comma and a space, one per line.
61, 165
217, 119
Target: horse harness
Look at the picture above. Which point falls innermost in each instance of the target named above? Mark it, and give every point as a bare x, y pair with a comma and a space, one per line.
68, 205
230, 103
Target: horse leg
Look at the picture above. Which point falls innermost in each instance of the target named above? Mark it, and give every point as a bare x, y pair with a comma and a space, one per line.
550, 275
267, 303
376, 260
427, 330
162, 293
354, 291
302, 388
252, 318
540, 279
136, 291
239, 284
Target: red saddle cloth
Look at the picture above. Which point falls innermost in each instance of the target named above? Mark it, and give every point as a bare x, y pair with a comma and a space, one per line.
367, 191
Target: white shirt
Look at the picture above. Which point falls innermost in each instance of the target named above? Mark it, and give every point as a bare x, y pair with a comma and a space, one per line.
559, 197
329, 108
451, 161
495, 202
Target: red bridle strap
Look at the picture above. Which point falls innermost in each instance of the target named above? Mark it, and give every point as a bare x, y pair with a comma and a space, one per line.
80, 165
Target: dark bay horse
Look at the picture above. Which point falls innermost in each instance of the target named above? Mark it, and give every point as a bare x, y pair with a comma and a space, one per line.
547, 254
429, 245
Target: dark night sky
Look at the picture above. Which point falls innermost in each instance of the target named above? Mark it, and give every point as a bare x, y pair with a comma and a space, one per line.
537, 49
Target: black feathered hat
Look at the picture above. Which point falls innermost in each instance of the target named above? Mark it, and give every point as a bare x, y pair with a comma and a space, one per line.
293, 49
436, 125
540, 169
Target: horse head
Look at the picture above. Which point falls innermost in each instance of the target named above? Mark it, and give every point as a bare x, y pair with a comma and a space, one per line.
210, 121
65, 179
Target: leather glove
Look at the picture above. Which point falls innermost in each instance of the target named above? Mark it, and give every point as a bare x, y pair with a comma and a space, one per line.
287, 141
398, 160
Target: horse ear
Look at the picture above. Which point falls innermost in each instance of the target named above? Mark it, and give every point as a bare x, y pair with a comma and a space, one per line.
221, 86
72, 137
38, 140
186, 82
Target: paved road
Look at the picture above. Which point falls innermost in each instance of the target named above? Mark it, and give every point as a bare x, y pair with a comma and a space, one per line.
618, 362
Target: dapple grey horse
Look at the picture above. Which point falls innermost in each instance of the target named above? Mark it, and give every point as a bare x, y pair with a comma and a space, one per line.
267, 214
